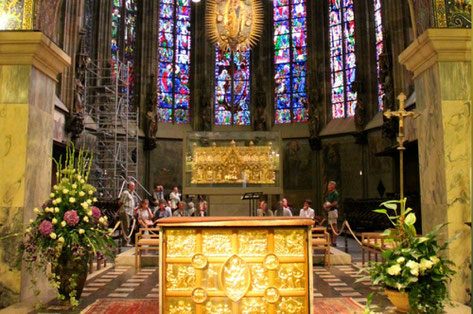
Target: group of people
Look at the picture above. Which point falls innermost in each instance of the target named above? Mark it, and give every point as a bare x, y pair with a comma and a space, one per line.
148, 212
330, 207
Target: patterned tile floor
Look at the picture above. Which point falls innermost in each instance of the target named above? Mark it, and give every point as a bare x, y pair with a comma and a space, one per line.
126, 282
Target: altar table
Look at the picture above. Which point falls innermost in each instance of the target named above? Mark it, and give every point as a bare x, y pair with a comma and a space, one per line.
235, 265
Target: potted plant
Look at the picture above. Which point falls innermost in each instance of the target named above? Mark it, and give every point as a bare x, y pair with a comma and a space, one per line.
67, 231
413, 271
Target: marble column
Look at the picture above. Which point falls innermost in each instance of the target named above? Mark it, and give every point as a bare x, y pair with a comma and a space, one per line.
440, 61
29, 64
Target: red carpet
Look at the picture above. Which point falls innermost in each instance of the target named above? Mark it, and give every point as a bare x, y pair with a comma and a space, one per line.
336, 305
114, 306
132, 306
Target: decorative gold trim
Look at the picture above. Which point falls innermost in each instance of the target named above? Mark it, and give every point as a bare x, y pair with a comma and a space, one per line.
227, 41
271, 261
199, 261
271, 294
199, 295
440, 13
28, 15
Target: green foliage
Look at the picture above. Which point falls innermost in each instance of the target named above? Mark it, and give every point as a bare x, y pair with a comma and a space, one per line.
413, 264
71, 239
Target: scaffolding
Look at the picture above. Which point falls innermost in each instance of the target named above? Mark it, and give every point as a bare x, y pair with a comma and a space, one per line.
114, 123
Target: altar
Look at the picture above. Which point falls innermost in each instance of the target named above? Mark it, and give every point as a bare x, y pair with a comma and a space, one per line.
235, 265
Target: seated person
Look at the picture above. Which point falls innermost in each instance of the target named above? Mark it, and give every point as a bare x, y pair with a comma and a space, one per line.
162, 211
306, 211
145, 216
263, 210
202, 212
282, 210
181, 210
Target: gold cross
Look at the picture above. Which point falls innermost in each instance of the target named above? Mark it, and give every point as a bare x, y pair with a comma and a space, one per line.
401, 114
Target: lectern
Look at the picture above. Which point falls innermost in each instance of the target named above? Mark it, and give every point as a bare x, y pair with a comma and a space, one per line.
235, 265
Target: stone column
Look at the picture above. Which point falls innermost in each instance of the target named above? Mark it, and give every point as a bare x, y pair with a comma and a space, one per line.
29, 64
440, 61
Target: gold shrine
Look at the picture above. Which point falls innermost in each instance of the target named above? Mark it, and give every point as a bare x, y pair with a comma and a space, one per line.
234, 164
235, 265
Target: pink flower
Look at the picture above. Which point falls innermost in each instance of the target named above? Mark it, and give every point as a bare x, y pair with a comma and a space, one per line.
71, 217
46, 228
95, 212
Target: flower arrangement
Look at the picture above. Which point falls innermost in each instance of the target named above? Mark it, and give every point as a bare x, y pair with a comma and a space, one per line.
413, 264
67, 230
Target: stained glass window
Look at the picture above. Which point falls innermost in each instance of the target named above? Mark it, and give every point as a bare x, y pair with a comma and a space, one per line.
290, 58
232, 88
174, 61
378, 24
342, 57
123, 36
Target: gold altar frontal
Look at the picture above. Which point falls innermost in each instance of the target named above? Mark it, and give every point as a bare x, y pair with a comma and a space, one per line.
235, 265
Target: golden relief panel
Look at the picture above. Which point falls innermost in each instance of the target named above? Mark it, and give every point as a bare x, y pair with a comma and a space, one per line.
180, 277
253, 243
259, 277
217, 243
210, 279
180, 243
235, 278
291, 277
253, 306
289, 242
234, 164
218, 306
180, 306
291, 305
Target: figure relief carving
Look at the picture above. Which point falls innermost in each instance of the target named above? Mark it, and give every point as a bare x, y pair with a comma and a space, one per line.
358, 88
180, 277
235, 278
212, 277
206, 111
291, 305
389, 129
253, 243
180, 243
315, 97
217, 308
291, 277
289, 242
259, 277
253, 306
217, 244
180, 307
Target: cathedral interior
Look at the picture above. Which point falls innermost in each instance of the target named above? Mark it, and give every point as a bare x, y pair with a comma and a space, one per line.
222, 98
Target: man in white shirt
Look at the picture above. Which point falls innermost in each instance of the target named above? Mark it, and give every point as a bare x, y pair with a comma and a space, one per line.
306, 211
175, 198
127, 206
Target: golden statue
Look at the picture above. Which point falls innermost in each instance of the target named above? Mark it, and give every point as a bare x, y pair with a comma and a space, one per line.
233, 18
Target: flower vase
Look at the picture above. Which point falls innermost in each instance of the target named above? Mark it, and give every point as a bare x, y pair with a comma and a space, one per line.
399, 299
67, 269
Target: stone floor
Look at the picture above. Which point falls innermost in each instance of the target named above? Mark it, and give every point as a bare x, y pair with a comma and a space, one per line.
125, 282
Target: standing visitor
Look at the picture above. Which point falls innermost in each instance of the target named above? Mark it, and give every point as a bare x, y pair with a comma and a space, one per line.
158, 192
331, 207
282, 210
175, 198
181, 211
127, 205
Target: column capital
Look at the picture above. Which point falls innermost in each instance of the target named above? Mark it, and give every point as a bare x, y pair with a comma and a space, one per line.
437, 45
35, 49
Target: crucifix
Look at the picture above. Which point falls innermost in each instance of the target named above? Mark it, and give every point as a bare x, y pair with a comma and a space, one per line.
401, 114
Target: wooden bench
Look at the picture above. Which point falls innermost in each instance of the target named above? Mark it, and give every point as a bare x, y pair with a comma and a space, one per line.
321, 242
373, 242
144, 241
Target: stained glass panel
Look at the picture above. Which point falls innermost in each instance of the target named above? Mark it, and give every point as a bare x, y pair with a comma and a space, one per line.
342, 57
174, 61
290, 56
232, 88
378, 25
